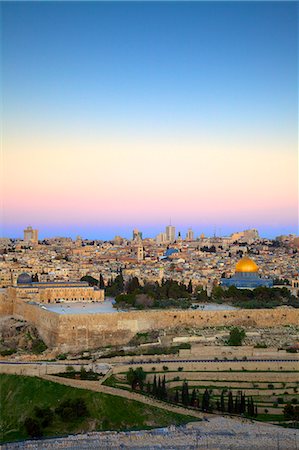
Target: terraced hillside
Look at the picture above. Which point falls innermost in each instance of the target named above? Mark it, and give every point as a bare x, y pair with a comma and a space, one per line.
271, 384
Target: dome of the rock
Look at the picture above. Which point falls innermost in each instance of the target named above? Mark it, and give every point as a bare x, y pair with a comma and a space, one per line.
246, 265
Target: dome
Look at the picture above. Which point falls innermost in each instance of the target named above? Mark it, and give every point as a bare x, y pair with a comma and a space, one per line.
246, 265
24, 278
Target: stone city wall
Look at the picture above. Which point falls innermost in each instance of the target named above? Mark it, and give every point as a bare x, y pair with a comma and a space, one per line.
46, 322
75, 332
85, 331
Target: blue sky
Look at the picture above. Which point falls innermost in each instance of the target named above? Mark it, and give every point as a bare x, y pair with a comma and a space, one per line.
207, 74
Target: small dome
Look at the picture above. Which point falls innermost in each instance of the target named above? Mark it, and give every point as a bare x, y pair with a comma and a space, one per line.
246, 265
24, 278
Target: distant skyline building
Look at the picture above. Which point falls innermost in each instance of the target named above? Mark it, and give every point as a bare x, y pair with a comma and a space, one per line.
30, 235
137, 234
190, 235
170, 233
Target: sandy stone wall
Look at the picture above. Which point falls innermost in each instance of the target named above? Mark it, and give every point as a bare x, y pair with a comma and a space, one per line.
75, 332
95, 330
6, 303
46, 322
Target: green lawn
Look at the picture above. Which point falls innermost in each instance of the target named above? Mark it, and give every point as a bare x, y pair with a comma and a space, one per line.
20, 394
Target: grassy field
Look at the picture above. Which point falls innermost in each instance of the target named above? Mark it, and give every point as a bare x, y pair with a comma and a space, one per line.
20, 394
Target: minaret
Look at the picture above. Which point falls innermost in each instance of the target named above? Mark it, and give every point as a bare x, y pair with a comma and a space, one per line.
140, 253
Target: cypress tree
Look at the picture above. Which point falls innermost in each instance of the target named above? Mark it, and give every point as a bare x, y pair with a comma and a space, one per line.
230, 403
237, 405
185, 394
155, 386
193, 398
159, 388
101, 282
243, 403
163, 389
222, 405
148, 387
176, 398
206, 401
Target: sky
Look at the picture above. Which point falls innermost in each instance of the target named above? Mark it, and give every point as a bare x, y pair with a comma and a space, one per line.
122, 115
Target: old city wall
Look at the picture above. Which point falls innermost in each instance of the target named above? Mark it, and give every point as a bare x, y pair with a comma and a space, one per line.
46, 322
6, 302
83, 331
75, 332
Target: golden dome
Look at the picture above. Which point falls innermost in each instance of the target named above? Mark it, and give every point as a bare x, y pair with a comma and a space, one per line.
246, 265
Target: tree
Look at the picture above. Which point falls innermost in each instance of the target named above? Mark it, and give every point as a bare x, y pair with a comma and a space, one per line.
101, 282
33, 427
163, 389
222, 405
176, 398
132, 285
155, 386
83, 373
185, 394
193, 398
136, 378
90, 280
148, 388
190, 287
206, 401
230, 402
236, 337
288, 411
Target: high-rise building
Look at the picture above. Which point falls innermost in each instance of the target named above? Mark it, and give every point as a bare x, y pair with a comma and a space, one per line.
161, 238
170, 233
30, 235
137, 235
190, 235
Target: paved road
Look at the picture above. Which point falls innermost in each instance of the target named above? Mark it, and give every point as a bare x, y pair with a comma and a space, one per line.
72, 363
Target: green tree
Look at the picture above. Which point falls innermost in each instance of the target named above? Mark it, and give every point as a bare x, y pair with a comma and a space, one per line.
101, 282
236, 337
288, 411
185, 394
190, 287
222, 404
33, 427
230, 402
193, 398
90, 280
205, 405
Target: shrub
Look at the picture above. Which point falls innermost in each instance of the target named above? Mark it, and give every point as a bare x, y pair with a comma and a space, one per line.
38, 346
33, 427
165, 368
236, 337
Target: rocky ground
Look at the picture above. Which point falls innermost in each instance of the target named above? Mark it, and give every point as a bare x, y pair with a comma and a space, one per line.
217, 433
18, 335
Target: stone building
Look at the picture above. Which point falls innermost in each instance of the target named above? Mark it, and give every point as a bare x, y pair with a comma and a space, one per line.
53, 292
246, 276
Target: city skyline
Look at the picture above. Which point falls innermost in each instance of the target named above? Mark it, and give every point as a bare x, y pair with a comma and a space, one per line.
184, 233
120, 115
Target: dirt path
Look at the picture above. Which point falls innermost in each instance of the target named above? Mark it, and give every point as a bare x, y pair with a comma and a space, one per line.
97, 387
